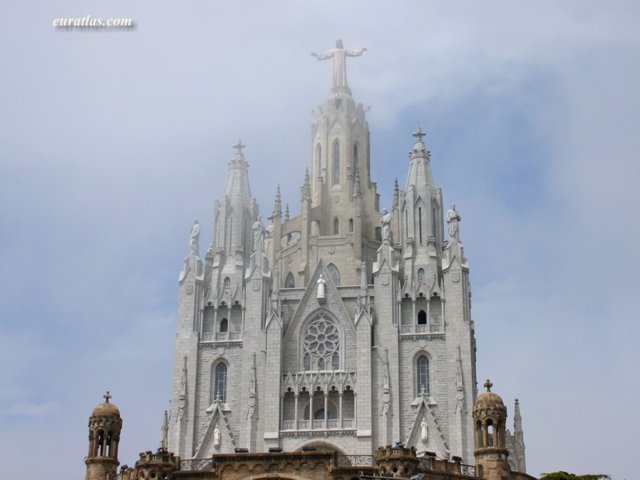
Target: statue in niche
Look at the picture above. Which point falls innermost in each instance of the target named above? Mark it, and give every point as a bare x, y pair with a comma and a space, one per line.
217, 437
258, 235
424, 431
339, 55
321, 287
452, 219
194, 238
385, 221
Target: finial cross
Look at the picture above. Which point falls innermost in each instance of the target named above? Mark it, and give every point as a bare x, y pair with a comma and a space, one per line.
107, 396
239, 146
419, 133
488, 385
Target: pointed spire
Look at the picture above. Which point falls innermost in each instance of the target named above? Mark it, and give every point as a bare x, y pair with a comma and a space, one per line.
277, 207
306, 187
517, 418
286, 213
396, 193
164, 439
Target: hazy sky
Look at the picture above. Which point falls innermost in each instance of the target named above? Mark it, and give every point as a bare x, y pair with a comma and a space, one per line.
112, 142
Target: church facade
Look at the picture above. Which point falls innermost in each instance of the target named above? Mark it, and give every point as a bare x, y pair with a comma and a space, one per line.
347, 326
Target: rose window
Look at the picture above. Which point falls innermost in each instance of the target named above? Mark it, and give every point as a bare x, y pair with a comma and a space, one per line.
321, 345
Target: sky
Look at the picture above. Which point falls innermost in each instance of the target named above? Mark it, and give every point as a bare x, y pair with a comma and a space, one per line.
113, 141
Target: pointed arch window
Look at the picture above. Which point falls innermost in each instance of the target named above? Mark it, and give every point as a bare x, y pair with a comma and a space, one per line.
335, 177
351, 225
290, 282
224, 325
318, 160
355, 159
335, 274
227, 282
420, 274
422, 375
219, 384
336, 226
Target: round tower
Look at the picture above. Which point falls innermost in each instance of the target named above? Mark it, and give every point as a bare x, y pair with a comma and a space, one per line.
490, 416
104, 435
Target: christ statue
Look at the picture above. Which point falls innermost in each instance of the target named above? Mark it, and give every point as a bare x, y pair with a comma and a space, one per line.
339, 55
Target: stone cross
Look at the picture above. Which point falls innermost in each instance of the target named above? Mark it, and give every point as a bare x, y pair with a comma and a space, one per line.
419, 134
239, 146
488, 385
107, 396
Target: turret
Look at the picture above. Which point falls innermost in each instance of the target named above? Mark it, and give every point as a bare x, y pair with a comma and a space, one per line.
489, 416
105, 425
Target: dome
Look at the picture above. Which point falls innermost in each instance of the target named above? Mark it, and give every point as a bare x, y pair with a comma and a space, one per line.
489, 401
106, 409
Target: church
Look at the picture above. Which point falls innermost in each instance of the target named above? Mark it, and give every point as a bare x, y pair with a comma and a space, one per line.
341, 331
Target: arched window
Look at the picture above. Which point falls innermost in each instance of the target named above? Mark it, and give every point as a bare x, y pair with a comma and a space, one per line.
335, 361
355, 159
336, 226
422, 375
227, 282
219, 387
351, 225
336, 163
318, 160
420, 274
224, 325
422, 317
335, 274
289, 282
321, 342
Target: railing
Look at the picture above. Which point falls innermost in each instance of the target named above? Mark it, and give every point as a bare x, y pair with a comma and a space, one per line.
221, 336
431, 464
468, 470
303, 425
355, 460
196, 464
431, 328
332, 424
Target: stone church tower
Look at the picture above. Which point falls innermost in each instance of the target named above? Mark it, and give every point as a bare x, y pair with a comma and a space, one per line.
346, 325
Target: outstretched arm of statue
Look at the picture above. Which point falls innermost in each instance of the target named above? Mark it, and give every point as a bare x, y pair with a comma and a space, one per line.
356, 52
323, 56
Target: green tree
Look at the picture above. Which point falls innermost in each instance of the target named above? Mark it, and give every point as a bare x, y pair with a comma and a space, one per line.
572, 476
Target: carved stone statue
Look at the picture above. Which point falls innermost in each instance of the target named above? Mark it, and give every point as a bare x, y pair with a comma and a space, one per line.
452, 219
258, 235
424, 431
385, 221
386, 400
194, 238
339, 55
217, 437
321, 287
